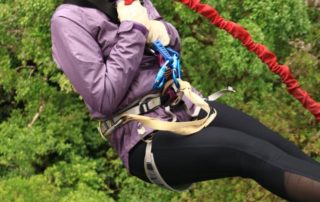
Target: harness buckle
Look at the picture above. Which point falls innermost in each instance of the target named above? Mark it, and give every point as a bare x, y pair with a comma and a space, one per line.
144, 108
148, 103
106, 128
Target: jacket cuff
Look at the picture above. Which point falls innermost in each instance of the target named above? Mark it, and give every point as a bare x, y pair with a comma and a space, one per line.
127, 25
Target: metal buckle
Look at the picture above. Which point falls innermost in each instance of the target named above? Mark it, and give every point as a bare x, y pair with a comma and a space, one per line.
143, 104
144, 108
148, 138
105, 129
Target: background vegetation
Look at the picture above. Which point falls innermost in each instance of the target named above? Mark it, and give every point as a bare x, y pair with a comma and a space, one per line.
49, 147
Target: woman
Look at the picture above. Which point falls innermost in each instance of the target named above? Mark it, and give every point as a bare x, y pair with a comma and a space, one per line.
109, 65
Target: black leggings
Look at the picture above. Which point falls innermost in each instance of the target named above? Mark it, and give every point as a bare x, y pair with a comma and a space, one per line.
234, 144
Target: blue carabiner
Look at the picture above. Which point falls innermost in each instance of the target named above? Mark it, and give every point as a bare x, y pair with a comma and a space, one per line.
172, 61
160, 78
175, 70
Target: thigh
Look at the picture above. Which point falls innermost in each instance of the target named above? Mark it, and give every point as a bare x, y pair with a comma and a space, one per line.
213, 153
217, 152
232, 118
229, 117
185, 159
202, 156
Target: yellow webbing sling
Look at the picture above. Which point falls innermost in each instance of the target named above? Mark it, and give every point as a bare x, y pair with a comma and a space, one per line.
181, 128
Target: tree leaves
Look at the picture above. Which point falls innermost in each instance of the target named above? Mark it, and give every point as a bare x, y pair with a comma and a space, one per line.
50, 149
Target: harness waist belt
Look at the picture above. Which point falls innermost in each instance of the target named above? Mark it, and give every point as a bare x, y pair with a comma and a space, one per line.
144, 105
152, 101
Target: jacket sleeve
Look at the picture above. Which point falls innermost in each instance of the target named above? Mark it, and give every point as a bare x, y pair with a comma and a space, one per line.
102, 82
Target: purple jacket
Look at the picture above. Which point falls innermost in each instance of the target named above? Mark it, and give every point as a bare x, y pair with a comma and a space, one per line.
105, 63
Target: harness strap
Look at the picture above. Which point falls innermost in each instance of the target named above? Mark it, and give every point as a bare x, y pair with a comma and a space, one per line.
147, 103
153, 173
181, 128
220, 93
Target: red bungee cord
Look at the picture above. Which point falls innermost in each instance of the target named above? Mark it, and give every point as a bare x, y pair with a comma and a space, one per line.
265, 55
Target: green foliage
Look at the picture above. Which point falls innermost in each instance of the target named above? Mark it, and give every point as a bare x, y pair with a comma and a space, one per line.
34, 189
50, 149
85, 194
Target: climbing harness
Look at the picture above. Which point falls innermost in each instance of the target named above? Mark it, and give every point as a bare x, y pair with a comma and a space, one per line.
174, 88
183, 128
